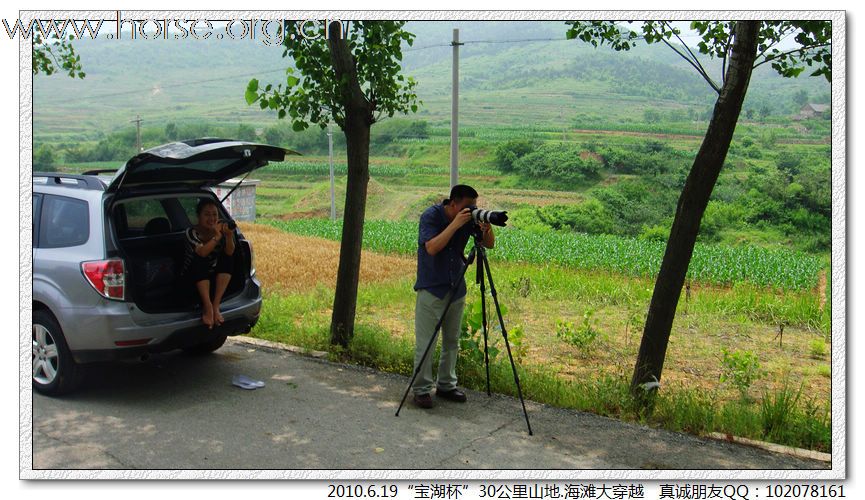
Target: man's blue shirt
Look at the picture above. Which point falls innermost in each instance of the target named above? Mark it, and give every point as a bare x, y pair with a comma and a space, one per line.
438, 273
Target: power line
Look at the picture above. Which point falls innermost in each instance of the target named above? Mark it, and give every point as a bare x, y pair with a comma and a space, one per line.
524, 40
413, 49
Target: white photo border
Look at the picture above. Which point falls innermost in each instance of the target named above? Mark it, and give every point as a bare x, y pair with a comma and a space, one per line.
838, 253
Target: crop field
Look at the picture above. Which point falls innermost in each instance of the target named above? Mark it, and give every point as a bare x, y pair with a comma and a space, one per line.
711, 264
291, 263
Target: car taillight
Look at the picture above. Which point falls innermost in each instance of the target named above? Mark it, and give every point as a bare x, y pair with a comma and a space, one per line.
107, 277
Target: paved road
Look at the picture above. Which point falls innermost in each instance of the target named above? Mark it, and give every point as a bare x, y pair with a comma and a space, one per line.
180, 412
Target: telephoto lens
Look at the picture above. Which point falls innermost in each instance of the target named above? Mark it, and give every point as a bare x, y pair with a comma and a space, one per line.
496, 218
230, 223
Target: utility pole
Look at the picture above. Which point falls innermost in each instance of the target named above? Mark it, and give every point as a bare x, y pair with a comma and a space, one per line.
330, 153
455, 109
137, 122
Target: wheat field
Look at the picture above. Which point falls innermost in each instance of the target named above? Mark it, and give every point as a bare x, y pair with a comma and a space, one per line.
291, 263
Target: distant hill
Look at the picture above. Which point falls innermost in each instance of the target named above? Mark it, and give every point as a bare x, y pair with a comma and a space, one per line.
506, 79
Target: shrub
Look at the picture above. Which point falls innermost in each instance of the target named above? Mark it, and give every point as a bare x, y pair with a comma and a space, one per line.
769, 138
788, 162
390, 130
650, 157
659, 233
583, 335
558, 162
754, 151
509, 152
43, 158
588, 217
719, 216
741, 368
472, 334
633, 203
527, 219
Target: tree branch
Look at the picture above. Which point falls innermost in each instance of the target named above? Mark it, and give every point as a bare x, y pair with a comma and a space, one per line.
696, 66
693, 56
801, 49
344, 67
786, 30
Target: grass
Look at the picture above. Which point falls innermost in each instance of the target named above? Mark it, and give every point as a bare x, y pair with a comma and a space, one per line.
557, 373
777, 417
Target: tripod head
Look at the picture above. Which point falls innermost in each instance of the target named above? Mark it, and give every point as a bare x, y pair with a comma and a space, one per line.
477, 232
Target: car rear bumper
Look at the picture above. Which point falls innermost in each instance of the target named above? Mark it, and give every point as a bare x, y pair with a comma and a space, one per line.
116, 330
185, 337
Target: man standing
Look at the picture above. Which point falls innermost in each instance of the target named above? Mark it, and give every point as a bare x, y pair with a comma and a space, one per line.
443, 233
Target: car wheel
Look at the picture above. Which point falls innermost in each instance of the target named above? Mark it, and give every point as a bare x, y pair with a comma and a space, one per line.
54, 370
206, 347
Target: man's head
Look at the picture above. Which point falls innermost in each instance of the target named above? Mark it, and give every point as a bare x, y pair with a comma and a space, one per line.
462, 196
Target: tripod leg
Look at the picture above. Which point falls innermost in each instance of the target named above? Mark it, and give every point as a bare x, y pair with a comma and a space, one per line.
482, 259
484, 319
436, 331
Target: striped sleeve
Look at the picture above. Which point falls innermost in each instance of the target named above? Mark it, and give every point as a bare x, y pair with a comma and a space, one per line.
192, 237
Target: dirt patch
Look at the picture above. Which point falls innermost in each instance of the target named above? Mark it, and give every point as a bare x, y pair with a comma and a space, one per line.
309, 214
585, 155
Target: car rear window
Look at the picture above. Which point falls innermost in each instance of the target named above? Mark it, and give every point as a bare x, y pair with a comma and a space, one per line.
65, 222
140, 212
154, 216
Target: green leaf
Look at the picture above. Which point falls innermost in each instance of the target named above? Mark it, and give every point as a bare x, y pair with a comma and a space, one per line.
292, 81
298, 126
251, 94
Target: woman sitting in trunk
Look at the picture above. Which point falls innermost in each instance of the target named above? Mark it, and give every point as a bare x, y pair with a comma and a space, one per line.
209, 259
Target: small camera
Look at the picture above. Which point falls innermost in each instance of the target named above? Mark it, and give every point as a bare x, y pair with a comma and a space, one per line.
229, 222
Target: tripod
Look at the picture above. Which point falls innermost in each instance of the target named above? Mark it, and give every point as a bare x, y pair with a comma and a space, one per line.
478, 251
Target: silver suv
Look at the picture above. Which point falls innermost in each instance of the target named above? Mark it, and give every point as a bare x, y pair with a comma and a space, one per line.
106, 255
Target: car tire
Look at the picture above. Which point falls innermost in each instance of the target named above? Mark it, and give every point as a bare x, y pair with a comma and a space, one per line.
206, 347
54, 371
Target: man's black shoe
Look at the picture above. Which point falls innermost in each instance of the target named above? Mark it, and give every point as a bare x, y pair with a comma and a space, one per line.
423, 400
452, 395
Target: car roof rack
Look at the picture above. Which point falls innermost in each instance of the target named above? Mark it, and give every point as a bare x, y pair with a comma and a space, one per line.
100, 171
71, 180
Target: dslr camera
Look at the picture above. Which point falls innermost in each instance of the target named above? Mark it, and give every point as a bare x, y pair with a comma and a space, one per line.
494, 217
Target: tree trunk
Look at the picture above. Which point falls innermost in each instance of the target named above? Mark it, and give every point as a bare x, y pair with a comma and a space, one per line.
356, 125
689, 211
348, 274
